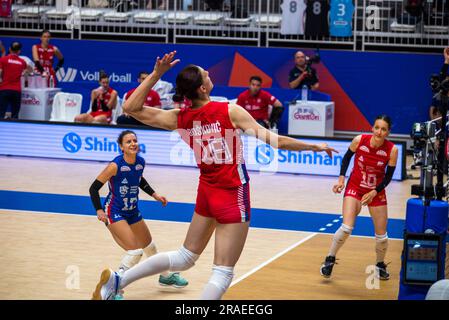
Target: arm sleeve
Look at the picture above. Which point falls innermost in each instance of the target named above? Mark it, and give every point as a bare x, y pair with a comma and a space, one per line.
38, 66
59, 65
146, 187
386, 180
345, 162
95, 195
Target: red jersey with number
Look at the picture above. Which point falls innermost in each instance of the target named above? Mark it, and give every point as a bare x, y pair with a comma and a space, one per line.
46, 56
257, 105
370, 163
216, 144
12, 67
152, 100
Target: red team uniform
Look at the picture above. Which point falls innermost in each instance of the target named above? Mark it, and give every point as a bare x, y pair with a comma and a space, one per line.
257, 105
152, 100
369, 170
46, 57
223, 190
12, 67
97, 110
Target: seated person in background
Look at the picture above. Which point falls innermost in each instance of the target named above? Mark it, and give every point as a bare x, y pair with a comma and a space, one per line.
257, 101
153, 100
302, 74
103, 99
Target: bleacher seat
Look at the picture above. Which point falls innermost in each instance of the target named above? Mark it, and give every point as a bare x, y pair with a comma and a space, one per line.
238, 22
31, 12
272, 21
66, 106
55, 14
179, 17
91, 14
117, 16
209, 19
148, 17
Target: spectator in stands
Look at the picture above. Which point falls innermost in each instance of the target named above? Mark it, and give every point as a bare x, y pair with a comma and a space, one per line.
12, 68
152, 100
156, 5
257, 102
436, 101
302, 74
103, 100
2, 50
43, 56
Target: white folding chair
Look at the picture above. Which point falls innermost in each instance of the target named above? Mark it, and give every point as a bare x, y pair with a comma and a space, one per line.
66, 106
116, 111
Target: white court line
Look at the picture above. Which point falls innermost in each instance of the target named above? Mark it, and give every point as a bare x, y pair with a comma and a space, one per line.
273, 258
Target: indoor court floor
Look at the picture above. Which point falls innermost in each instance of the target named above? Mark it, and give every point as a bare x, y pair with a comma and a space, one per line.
53, 247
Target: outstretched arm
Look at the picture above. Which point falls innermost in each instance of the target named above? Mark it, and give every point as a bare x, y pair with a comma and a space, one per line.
134, 105
241, 119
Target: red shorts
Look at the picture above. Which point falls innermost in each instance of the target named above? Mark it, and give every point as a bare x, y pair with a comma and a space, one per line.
108, 114
225, 205
357, 192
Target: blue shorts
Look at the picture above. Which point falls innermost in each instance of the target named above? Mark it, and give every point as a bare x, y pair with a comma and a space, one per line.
131, 218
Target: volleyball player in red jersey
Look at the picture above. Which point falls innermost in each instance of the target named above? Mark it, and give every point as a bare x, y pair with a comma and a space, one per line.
103, 99
212, 130
366, 187
43, 56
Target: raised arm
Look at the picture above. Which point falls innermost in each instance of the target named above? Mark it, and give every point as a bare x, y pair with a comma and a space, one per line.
241, 119
134, 105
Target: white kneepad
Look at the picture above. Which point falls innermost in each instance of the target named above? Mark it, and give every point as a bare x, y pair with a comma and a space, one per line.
182, 259
222, 277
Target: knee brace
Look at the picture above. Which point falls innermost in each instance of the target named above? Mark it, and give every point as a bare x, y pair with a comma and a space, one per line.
182, 259
381, 237
222, 277
150, 250
346, 229
130, 259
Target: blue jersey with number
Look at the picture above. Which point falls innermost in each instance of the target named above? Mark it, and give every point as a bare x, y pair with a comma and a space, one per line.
124, 188
341, 18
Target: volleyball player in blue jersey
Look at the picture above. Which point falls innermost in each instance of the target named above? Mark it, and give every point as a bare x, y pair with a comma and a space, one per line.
120, 212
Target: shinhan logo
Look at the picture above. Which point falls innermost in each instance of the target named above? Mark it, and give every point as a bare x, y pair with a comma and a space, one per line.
264, 154
72, 142
66, 76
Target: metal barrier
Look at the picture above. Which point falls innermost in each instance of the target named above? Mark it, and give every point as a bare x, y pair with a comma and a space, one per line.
395, 23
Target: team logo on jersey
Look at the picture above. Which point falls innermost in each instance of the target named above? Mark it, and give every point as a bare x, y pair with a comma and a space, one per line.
380, 163
125, 181
124, 190
139, 167
364, 148
125, 168
381, 153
